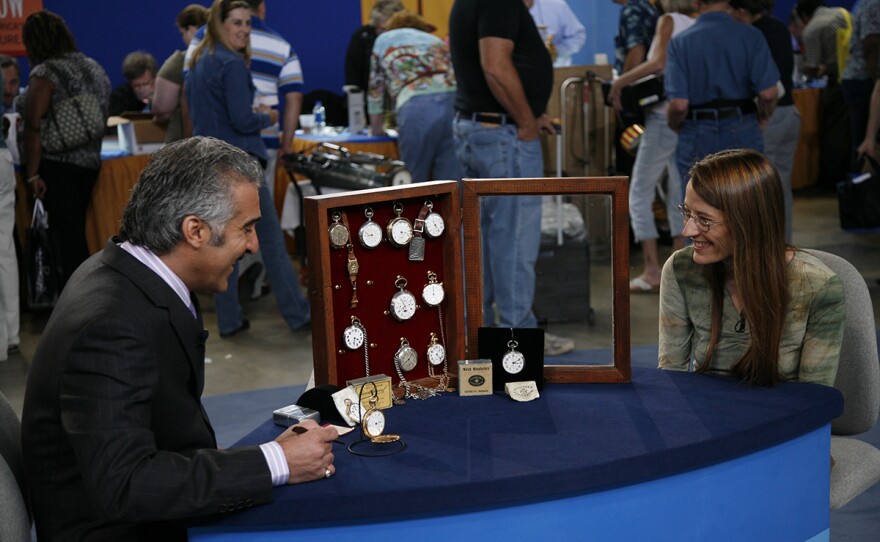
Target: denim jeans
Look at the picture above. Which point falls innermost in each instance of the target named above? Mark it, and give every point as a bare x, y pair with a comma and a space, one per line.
780, 142
698, 139
510, 226
656, 154
291, 301
425, 137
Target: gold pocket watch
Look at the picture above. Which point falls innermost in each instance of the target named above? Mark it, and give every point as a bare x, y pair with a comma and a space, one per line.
399, 230
373, 423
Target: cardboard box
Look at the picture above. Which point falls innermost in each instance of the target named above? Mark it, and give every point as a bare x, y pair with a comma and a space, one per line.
138, 134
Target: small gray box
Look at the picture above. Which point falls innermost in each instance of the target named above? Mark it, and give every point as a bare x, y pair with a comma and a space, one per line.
293, 414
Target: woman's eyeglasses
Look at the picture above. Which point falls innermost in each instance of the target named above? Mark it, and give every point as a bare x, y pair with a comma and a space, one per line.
702, 223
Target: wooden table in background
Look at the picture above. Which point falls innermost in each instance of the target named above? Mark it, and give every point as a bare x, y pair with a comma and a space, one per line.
805, 171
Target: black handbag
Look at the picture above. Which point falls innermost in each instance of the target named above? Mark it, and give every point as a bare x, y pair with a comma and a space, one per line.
43, 271
859, 199
72, 122
645, 92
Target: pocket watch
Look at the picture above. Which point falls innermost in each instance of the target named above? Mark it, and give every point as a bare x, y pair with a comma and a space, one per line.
373, 421
338, 232
434, 223
399, 230
436, 351
513, 360
354, 411
370, 234
403, 303
433, 292
373, 424
354, 335
406, 356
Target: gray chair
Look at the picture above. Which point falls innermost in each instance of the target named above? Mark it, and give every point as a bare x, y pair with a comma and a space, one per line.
15, 522
857, 463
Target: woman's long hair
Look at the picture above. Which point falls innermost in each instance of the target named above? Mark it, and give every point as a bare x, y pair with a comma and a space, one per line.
745, 186
46, 36
215, 33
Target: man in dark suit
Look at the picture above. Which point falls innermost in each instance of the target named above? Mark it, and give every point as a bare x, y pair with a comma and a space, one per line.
116, 441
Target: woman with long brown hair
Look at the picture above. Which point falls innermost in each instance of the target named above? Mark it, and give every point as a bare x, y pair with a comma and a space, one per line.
739, 300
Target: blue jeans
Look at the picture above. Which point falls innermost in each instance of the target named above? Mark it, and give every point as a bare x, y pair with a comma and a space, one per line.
656, 155
291, 301
425, 140
698, 139
510, 226
780, 142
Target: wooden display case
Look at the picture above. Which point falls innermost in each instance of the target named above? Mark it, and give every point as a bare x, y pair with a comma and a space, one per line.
618, 369
457, 265
330, 289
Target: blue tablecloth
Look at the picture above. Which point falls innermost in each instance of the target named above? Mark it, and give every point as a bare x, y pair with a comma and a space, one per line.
489, 451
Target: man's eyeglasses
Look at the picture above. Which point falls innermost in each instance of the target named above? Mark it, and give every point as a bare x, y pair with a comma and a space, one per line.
702, 223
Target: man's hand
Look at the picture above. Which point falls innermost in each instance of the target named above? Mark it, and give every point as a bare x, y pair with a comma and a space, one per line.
308, 454
273, 113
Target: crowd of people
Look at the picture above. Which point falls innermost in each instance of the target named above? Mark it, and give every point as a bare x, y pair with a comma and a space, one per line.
115, 438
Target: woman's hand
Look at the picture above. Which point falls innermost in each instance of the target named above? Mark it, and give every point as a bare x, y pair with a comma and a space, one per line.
39, 186
866, 148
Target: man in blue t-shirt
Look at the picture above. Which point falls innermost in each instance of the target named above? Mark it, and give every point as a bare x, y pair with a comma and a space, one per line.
714, 71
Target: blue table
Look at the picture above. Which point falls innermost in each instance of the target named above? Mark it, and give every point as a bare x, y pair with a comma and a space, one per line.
672, 456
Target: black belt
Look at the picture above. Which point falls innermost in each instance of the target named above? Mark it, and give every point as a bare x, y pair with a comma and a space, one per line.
489, 118
721, 113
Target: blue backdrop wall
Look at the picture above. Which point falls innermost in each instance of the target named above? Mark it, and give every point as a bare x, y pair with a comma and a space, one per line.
107, 30
319, 30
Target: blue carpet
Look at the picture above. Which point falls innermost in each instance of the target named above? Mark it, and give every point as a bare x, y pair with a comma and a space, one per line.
234, 415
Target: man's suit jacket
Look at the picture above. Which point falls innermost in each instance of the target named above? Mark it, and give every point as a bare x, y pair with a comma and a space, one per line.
115, 439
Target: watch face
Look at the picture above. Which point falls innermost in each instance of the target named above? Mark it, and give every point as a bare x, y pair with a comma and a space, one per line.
513, 362
374, 423
434, 225
353, 337
433, 293
338, 235
436, 354
370, 234
407, 357
400, 232
356, 412
403, 305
